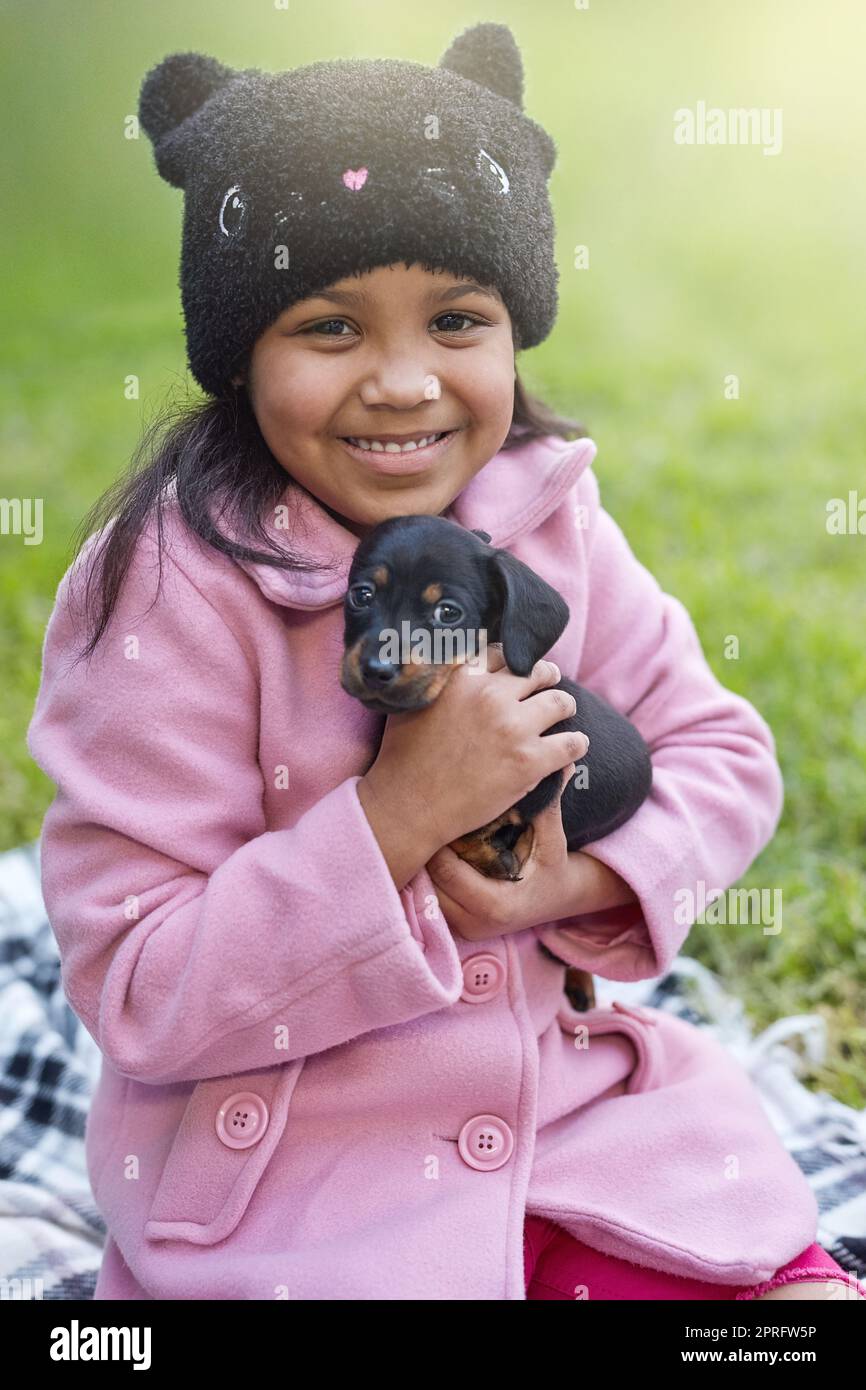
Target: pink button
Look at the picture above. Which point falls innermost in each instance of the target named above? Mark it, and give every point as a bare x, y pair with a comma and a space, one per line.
634, 1011
483, 977
485, 1142
242, 1120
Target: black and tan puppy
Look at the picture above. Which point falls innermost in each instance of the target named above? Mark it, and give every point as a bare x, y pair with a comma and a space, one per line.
423, 595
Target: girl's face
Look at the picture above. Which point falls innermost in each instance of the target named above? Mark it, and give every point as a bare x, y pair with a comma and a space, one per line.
398, 352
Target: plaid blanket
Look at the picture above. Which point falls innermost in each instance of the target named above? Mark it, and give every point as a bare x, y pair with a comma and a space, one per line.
52, 1234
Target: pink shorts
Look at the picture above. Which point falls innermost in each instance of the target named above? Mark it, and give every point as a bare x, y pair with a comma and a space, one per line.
558, 1266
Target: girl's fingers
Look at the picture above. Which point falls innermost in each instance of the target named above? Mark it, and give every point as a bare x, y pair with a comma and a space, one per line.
542, 675
494, 656
562, 749
550, 707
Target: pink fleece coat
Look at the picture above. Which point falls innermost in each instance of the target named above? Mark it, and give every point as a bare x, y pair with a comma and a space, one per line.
398, 1101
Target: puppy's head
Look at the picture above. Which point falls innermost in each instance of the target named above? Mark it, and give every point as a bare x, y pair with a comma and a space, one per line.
425, 595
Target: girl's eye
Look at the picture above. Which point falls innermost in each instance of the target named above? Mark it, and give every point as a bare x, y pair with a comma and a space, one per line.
449, 613
325, 323
467, 318
361, 595
323, 327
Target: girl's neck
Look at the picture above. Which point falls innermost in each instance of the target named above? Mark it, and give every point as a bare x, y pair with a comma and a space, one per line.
358, 528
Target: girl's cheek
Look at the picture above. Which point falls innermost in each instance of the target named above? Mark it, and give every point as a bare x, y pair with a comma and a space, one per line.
306, 386
290, 392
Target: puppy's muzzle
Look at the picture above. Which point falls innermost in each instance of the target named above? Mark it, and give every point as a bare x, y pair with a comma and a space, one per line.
388, 686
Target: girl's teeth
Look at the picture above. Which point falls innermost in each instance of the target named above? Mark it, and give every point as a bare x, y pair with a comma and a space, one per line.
375, 446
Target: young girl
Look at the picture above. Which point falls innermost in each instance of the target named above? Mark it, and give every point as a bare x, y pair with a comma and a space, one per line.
337, 1062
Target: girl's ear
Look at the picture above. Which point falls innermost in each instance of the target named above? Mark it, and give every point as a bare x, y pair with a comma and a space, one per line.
487, 54
531, 615
175, 89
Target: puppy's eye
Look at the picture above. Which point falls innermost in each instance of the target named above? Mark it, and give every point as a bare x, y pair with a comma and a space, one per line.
361, 595
449, 613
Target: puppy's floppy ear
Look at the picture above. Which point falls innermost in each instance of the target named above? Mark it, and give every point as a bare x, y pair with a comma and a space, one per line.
529, 615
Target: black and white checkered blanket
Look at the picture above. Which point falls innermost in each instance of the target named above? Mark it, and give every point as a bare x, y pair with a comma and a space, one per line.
51, 1233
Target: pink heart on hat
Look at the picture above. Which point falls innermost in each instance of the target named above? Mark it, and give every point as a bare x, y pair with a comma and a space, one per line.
355, 178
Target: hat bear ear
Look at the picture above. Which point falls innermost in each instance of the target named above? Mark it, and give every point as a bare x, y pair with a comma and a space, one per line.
173, 90
488, 54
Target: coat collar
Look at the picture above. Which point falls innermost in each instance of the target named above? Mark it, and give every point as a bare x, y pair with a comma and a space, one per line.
511, 495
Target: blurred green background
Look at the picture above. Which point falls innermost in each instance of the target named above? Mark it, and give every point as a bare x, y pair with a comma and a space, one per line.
704, 261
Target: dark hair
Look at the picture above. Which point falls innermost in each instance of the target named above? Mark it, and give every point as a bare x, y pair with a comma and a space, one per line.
213, 449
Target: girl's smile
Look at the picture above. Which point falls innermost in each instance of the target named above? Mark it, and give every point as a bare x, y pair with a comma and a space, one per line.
400, 454
344, 384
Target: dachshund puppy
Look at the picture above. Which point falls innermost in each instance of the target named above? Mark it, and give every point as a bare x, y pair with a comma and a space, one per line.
425, 582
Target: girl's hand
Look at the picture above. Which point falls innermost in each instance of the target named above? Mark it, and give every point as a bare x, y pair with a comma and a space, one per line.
487, 718
479, 907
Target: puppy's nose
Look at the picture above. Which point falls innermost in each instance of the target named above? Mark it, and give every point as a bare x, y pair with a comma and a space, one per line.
378, 672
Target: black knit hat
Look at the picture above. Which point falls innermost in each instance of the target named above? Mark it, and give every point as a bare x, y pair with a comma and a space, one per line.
293, 180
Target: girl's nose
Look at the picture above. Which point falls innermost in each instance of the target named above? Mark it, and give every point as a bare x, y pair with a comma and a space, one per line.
400, 383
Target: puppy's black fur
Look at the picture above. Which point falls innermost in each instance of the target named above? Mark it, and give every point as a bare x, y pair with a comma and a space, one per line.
434, 575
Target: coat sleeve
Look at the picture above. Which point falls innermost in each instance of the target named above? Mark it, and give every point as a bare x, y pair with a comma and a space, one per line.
195, 942
717, 788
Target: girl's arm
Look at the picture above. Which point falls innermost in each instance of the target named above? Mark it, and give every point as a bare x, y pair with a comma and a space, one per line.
195, 942
717, 789
593, 884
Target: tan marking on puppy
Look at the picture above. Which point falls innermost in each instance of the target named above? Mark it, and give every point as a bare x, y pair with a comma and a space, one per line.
580, 988
479, 850
424, 680
350, 670
432, 593
380, 575
523, 848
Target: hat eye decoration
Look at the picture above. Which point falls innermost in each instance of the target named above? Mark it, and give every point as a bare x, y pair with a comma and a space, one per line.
491, 171
233, 211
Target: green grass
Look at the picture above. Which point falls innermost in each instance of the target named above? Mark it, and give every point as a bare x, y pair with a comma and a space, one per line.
704, 261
